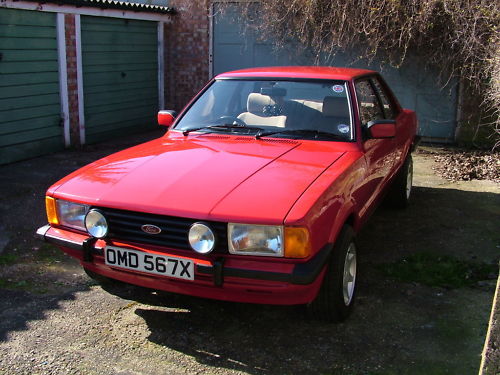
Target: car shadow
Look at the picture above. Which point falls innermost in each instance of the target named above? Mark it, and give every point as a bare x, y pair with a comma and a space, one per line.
392, 322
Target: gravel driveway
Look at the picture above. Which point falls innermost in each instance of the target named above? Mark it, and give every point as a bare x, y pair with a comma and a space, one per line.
54, 320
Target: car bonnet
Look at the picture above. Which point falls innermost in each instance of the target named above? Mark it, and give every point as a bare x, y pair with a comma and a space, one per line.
218, 177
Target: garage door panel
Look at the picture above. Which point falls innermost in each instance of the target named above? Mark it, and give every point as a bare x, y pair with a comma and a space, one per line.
105, 38
102, 57
115, 116
434, 119
120, 48
20, 137
116, 126
10, 55
101, 98
29, 90
27, 79
12, 153
27, 67
122, 106
29, 124
112, 78
117, 129
28, 43
24, 31
23, 17
126, 87
119, 68
120, 76
229, 56
10, 104
30, 109
31, 112
117, 26
113, 23
105, 134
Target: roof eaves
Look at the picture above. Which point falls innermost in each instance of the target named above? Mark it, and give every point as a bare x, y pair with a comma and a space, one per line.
113, 4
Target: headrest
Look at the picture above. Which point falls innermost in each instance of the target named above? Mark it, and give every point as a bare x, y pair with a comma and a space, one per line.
257, 102
335, 107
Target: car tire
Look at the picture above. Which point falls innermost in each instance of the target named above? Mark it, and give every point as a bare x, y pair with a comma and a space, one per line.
400, 193
336, 296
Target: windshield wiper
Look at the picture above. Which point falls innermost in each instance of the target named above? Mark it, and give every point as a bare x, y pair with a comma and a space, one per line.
316, 133
221, 126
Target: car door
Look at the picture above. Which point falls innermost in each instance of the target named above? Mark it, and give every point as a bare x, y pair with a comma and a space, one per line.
392, 111
379, 153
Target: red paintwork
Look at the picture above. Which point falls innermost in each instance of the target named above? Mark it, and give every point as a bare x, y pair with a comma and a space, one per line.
165, 118
316, 184
383, 130
314, 72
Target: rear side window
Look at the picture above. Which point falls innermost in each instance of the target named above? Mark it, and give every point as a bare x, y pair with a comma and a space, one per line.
369, 105
389, 109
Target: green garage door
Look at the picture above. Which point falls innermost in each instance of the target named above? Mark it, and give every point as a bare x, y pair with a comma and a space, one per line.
120, 76
29, 85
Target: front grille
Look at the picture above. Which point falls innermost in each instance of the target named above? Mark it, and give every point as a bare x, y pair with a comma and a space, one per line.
126, 226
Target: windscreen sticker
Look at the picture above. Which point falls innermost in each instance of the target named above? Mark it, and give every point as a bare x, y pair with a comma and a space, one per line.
338, 88
343, 128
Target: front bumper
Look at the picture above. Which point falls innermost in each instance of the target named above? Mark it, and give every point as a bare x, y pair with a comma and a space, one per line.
232, 278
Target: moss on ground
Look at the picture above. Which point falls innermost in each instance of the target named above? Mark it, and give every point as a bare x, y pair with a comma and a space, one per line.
438, 270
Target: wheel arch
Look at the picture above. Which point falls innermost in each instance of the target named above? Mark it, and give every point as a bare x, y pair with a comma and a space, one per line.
348, 217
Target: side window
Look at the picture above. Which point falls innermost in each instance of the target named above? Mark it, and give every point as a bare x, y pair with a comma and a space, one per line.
389, 109
369, 106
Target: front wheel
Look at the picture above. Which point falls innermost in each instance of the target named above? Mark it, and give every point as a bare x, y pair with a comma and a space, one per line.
335, 299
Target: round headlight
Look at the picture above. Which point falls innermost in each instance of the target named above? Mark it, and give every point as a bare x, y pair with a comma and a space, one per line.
96, 224
201, 238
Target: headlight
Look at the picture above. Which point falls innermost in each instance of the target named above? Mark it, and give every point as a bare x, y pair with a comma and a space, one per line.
71, 214
96, 224
264, 240
201, 238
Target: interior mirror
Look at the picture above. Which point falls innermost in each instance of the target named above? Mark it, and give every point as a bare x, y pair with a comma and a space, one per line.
381, 129
273, 91
166, 118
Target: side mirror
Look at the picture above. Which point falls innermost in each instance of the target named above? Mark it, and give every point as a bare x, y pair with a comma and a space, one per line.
166, 118
380, 129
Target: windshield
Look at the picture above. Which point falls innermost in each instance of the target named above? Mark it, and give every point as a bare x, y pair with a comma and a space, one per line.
290, 109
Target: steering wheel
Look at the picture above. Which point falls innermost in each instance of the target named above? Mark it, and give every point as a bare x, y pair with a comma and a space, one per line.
233, 120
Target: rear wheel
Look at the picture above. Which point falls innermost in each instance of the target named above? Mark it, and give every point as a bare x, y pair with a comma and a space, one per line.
400, 193
335, 299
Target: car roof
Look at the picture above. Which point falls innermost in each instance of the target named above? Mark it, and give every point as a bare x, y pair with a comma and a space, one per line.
303, 72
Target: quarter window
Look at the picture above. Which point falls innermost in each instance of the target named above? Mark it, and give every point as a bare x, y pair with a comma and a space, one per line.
388, 106
369, 106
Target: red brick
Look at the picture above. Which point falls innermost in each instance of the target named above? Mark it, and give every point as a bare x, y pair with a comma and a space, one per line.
186, 53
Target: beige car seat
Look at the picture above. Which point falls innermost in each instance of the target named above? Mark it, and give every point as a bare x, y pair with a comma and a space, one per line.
335, 112
256, 111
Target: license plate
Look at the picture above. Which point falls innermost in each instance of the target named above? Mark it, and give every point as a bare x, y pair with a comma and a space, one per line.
150, 263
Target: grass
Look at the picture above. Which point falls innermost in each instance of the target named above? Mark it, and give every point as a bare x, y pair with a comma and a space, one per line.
49, 253
8, 259
8, 284
438, 270
25, 285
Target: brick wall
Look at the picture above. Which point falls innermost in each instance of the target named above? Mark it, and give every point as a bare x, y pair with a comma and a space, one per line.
186, 52
186, 58
69, 21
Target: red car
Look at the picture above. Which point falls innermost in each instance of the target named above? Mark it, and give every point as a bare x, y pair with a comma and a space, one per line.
254, 194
